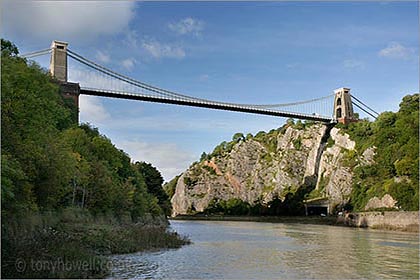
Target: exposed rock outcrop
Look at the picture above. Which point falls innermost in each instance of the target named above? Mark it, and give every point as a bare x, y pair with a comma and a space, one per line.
386, 201
335, 177
262, 168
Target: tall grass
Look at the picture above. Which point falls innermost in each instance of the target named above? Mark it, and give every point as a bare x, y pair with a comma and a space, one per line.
74, 243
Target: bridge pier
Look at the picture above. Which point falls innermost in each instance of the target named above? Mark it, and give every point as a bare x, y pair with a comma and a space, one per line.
58, 69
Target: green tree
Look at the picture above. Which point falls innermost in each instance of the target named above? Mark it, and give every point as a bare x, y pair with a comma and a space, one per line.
8, 48
33, 117
154, 183
171, 186
238, 137
203, 156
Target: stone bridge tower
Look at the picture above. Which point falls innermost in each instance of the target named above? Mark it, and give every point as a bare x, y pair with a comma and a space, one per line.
343, 107
58, 69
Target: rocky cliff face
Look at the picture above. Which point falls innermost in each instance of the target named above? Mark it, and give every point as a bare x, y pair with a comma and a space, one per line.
267, 166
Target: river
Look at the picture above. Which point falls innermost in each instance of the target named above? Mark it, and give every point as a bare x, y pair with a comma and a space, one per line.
252, 250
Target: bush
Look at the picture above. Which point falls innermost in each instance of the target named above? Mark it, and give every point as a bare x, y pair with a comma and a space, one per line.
233, 206
406, 194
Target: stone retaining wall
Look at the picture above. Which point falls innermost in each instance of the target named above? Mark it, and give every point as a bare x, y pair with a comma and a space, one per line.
402, 220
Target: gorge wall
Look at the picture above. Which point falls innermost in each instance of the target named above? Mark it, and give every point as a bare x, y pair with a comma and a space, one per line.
268, 166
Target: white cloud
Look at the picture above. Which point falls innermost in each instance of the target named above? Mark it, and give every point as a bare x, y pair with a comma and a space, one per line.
159, 50
353, 63
396, 50
66, 20
128, 63
92, 110
168, 158
103, 57
186, 26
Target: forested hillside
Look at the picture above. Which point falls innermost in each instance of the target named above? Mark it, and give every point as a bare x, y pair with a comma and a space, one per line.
49, 163
53, 167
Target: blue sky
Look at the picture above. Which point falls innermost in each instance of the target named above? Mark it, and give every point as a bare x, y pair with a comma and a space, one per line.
243, 52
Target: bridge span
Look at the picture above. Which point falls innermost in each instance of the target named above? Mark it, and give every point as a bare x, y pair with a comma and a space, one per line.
202, 104
341, 109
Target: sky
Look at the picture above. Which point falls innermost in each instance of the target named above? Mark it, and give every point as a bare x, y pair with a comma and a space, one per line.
242, 52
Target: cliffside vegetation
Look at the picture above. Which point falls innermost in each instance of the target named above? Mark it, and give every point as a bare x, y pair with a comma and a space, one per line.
396, 168
272, 172
61, 182
170, 187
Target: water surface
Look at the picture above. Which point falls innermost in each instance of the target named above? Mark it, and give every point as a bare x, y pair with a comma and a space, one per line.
253, 250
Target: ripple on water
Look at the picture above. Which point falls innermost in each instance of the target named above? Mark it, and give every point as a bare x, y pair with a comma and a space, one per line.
250, 250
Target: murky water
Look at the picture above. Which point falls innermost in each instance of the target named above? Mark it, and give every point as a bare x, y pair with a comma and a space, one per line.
238, 250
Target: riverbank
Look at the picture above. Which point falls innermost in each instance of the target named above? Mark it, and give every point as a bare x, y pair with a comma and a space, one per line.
329, 220
391, 220
384, 220
75, 244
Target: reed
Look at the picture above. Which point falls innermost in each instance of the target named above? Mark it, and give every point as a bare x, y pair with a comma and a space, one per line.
75, 243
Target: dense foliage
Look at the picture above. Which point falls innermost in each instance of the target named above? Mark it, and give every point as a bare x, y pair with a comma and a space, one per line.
50, 164
396, 168
154, 181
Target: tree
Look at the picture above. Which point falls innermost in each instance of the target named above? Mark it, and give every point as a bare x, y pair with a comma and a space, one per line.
154, 182
290, 122
8, 48
171, 186
203, 156
238, 137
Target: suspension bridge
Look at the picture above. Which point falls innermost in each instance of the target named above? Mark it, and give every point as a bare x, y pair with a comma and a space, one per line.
333, 108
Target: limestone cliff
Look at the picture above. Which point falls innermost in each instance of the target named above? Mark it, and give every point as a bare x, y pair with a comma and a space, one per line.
258, 169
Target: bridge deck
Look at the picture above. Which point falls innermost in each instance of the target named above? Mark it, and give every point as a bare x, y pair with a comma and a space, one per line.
203, 104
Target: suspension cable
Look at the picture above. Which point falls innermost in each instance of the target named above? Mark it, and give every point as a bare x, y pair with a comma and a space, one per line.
358, 100
294, 103
35, 54
110, 74
137, 83
128, 79
364, 110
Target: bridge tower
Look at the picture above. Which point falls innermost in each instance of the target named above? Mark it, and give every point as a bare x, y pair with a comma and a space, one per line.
343, 107
58, 69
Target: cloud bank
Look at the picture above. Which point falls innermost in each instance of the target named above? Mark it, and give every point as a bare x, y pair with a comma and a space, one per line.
66, 20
